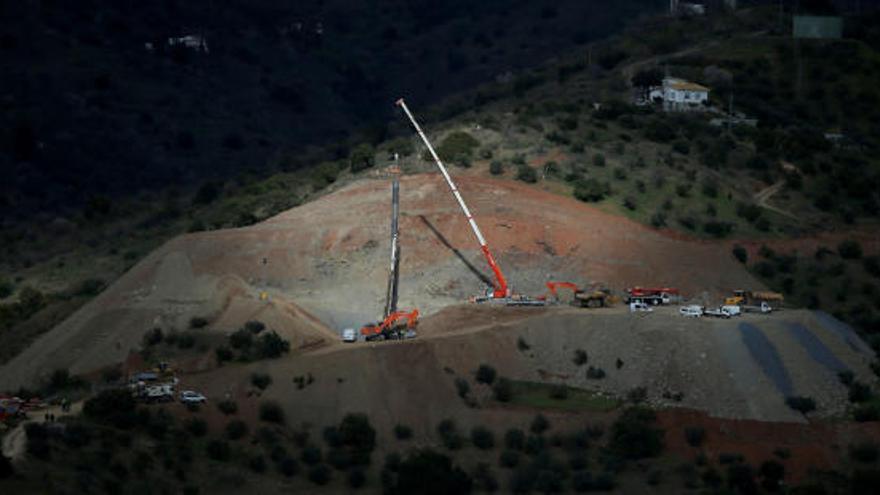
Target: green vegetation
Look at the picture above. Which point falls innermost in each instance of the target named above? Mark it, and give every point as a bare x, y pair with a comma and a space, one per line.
458, 147
428, 472
634, 436
540, 395
485, 374
802, 405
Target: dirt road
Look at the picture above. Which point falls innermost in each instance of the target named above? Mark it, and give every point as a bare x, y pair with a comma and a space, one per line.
15, 442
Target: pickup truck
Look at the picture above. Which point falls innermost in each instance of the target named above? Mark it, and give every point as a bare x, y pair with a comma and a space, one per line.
721, 312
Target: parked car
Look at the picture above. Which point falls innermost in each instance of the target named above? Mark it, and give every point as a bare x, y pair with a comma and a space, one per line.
639, 306
190, 397
693, 311
349, 335
732, 310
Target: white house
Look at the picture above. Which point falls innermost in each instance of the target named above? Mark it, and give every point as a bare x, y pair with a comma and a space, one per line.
679, 95
195, 42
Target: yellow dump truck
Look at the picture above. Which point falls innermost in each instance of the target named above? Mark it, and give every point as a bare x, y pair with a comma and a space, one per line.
745, 297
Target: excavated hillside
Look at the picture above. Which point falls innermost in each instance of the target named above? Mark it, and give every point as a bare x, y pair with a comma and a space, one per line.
324, 267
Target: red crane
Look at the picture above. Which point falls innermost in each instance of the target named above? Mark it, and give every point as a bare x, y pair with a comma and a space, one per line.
501, 290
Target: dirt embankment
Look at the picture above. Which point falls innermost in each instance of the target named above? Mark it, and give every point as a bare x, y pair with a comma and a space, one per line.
324, 264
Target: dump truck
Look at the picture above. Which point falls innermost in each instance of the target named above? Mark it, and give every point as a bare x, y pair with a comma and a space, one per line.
589, 298
754, 298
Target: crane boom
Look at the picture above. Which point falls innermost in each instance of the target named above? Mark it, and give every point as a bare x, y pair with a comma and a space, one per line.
501, 289
391, 294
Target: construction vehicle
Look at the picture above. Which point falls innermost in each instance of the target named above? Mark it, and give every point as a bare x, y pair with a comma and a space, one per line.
653, 295
390, 327
593, 298
750, 298
499, 292
393, 326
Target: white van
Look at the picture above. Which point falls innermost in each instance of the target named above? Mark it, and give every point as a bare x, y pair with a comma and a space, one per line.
639, 306
731, 310
349, 335
693, 311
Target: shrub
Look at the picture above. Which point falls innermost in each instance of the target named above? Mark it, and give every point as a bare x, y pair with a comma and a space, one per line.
271, 412
740, 253
449, 434
312, 455
580, 357
591, 190
227, 407
241, 339
594, 373
866, 412
485, 374
527, 174
695, 435
599, 160
361, 157
153, 337
236, 429
428, 472
634, 435
271, 345
772, 474
846, 377
765, 269
658, 219
196, 426
509, 458
872, 265
864, 452
114, 406
357, 478
496, 167
320, 475
392, 461
403, 432
288, 466
217, 450
254, 326
223, 354
482, 438
802, 405
522, 345
357, 433
186, 341
257, 463
6, 290
198, 322
456, 146
539, 424
859, 392
741, 478
717, 228
559, 392
502, 390
462, 387
849, 250
261, 380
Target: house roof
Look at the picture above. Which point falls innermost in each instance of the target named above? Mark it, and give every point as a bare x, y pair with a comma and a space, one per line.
687, 86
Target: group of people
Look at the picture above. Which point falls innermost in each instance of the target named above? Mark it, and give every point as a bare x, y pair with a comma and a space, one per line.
65, 407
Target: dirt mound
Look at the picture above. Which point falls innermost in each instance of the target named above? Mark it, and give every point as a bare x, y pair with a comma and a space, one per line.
324, 267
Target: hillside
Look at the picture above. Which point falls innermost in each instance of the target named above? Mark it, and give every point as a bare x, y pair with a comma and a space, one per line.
232, 295
675, 173
93, 114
